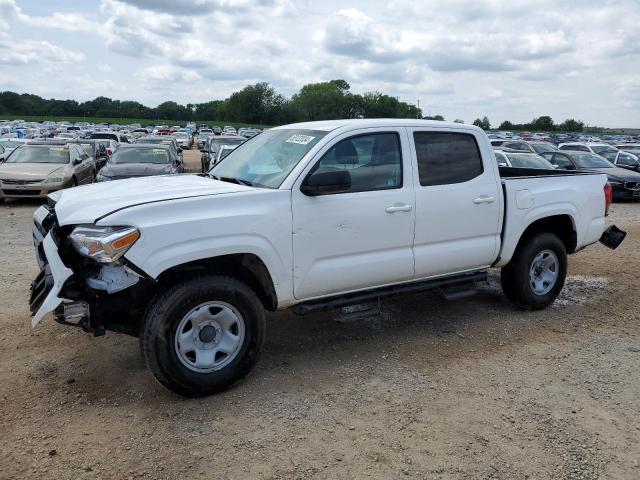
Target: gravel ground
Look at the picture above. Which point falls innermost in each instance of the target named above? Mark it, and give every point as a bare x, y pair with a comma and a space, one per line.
428, 389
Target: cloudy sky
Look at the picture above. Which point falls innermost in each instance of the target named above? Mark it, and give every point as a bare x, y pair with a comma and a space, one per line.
461, 58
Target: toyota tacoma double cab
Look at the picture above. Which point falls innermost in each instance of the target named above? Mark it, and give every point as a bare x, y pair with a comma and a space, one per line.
309, 216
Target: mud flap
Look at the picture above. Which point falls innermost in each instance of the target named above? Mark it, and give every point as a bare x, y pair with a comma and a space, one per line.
612, 237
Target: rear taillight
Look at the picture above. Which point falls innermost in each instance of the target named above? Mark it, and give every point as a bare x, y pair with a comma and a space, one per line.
110, 151
608, 197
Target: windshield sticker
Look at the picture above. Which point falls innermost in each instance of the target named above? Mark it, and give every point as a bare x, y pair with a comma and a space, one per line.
166, 142
57, 149
158, 151
300, 139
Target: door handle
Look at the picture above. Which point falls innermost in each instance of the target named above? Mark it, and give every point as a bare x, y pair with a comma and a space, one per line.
398, 208
484, 199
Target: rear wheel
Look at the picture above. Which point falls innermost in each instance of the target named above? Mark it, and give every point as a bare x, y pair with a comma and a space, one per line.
535, 275
203, 335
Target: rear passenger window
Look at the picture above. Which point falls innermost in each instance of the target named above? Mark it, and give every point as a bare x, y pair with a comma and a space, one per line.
374, 161
446, 158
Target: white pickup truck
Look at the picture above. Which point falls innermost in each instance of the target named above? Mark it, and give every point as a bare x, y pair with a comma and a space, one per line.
307, 216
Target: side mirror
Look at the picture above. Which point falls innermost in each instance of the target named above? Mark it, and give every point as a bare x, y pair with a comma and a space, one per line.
326, 182
77, 161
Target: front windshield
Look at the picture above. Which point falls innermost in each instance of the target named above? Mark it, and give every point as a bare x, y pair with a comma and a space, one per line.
592, 161
140, 155
603, 148
520, 160
39, 155
267, 159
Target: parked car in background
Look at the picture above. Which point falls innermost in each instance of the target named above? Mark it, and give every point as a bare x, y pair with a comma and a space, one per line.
540, 147
625, 183
66, 136
162, 140
212, 146
203, 135
229, 130
184, 140
223, 151
630, 147
518, 145
521, 160
37, 169
116, 136
97, 149
597, 148
141, 160
251, 132
624, 160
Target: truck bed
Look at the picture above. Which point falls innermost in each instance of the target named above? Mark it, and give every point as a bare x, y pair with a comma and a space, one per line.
513, 172
533, 194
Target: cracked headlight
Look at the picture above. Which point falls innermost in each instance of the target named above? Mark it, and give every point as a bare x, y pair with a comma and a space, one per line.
103, 244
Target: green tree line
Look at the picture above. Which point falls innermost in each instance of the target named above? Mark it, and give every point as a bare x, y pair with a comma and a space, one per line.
259, 103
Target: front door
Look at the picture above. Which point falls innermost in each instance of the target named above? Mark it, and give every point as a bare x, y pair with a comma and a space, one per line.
362, 238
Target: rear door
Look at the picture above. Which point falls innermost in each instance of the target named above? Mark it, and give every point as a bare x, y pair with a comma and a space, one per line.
364, 237
458, 202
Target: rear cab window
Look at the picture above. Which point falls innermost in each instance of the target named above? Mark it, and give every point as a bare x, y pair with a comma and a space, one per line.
446, 158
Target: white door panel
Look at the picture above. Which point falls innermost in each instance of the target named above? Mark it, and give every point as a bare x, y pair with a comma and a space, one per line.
453, 231
350, 241
457, 224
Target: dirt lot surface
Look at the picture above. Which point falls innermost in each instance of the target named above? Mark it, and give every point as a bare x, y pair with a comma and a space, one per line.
429, 389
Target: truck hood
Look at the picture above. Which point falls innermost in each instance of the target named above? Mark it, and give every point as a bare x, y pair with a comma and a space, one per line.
88, 203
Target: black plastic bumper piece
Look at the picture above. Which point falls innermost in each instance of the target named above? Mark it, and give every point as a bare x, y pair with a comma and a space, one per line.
40, 288
612, 237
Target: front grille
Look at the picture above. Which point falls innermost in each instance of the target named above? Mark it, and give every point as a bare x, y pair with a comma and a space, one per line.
20, 192
40, 288
632, 185
8, 181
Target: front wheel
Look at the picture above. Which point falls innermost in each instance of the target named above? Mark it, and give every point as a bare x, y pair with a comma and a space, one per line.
535, 275
203, 335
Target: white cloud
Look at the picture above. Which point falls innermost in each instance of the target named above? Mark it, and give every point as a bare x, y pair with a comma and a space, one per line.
32, 51
509, 60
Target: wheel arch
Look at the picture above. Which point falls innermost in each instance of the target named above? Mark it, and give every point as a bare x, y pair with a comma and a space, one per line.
246, 267
563, 226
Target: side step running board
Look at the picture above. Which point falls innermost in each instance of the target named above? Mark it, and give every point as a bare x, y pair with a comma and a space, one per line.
451, 288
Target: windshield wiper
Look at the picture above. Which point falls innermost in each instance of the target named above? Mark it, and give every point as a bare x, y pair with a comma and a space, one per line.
239, 181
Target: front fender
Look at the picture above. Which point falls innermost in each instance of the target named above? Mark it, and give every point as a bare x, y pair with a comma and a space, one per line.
178, 232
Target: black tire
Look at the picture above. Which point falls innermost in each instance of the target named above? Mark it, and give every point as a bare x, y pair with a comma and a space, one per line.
74, 182
515, 277
157, 336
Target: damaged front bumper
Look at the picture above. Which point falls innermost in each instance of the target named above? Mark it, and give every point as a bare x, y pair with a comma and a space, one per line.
49, 282
79, 291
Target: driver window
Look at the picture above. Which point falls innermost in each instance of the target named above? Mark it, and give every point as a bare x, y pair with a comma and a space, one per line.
374, 161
